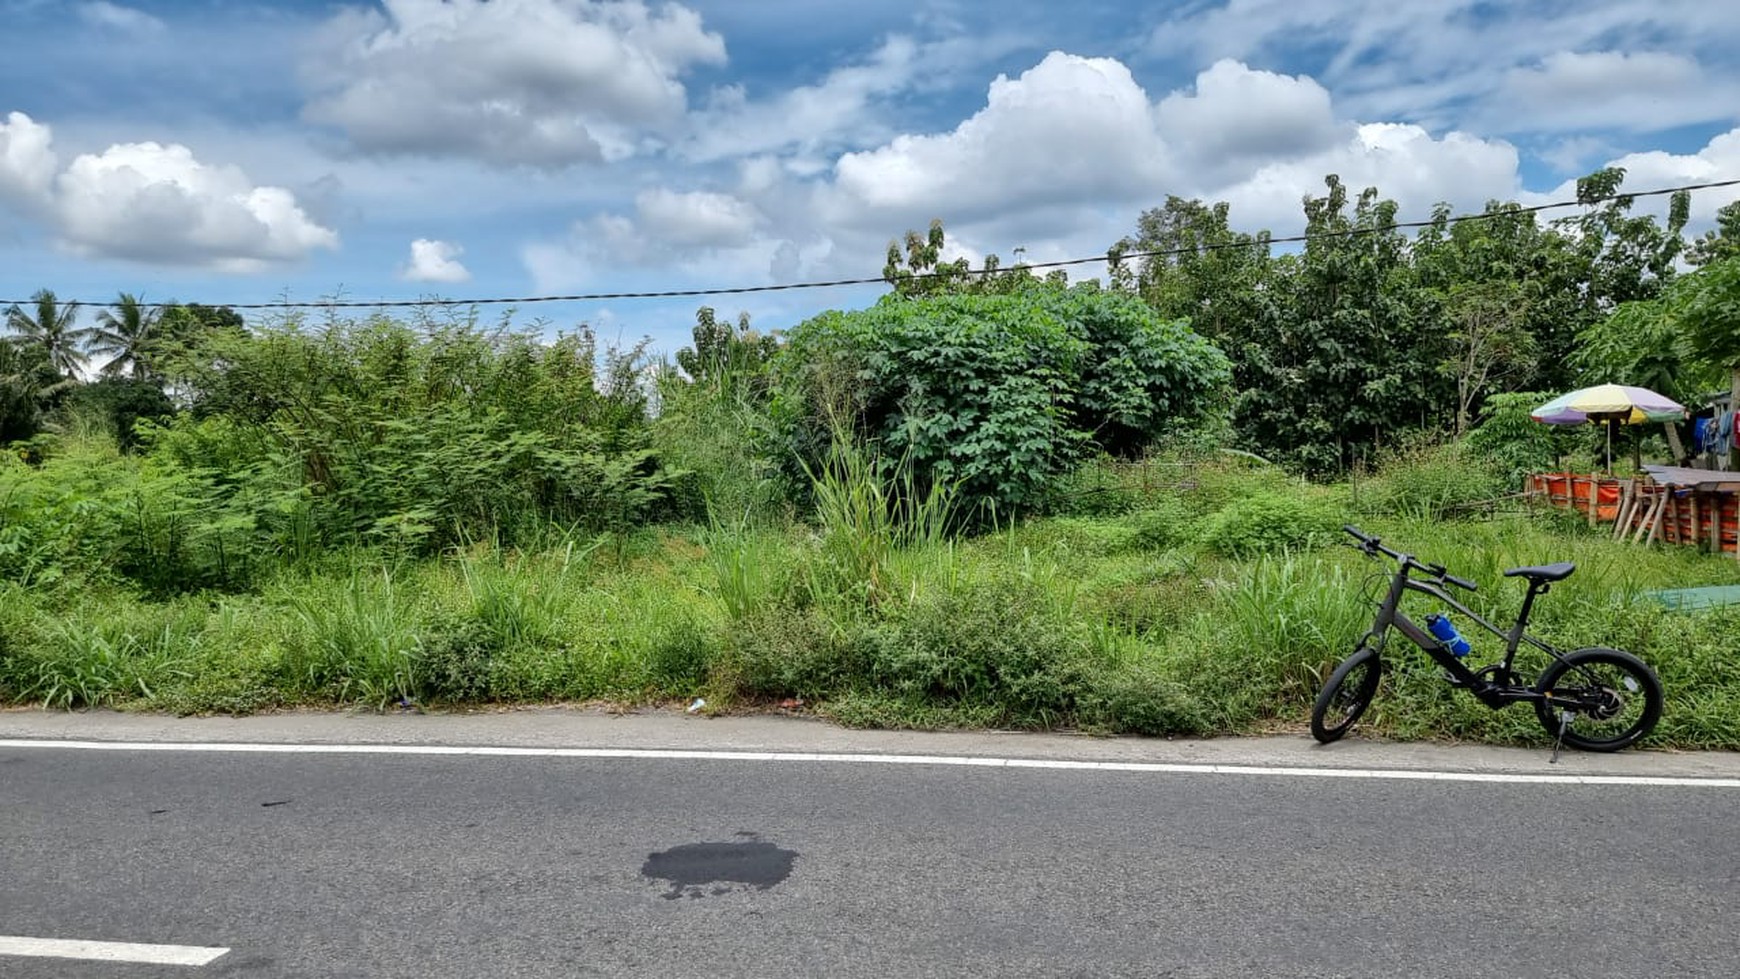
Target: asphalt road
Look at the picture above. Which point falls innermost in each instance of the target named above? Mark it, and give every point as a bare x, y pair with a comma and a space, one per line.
393, 865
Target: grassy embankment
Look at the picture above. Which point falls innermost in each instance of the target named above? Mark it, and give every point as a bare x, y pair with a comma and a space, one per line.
1178, 600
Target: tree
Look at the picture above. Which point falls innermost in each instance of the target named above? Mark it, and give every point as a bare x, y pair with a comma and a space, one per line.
1195, 266
724, 357
52, 326
920, 271
187, 323
121, 402
1706, 306
1720, 243
1641, 344
1489, 342
1000, 393
1355, 356
28, 382
126, 333
1629, 256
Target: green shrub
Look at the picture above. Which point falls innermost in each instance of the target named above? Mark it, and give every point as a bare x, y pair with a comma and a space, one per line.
1003, 394
420, 437
1510, 443
782, 652
1269, 524
1153, 606
680, 654
352, 641
121, 404
1430, 483
1165, 523
1138, 699
455, 661
874, 709
1001, 643
752, 570
105, 658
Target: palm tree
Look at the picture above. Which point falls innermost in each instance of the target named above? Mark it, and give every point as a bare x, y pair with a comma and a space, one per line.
54, 328
27, 384
127, 333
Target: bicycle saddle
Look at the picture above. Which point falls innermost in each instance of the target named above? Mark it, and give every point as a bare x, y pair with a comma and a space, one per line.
1545, 572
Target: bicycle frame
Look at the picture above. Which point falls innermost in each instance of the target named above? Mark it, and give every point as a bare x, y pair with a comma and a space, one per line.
1492, 694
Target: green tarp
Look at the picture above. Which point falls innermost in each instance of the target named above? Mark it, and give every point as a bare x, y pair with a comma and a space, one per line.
1696, 598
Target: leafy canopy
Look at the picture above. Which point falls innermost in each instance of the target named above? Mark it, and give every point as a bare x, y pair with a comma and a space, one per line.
999, 392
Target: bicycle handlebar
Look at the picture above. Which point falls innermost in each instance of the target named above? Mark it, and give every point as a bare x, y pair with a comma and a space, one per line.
1373, 545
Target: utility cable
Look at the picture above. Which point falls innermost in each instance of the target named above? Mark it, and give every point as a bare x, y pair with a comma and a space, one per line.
1504, 212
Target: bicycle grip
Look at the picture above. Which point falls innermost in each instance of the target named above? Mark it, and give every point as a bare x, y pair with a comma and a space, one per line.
1358, 534
1460, 582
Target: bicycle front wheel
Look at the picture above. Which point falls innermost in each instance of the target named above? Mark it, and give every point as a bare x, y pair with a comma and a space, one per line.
1346, 696
1604, 699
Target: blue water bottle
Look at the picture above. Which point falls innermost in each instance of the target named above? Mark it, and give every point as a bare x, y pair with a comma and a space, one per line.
1445, 631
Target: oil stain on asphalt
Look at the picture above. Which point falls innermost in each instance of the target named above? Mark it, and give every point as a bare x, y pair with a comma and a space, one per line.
698, 869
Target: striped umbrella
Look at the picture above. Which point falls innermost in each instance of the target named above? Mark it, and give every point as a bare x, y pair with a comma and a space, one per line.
1611, 403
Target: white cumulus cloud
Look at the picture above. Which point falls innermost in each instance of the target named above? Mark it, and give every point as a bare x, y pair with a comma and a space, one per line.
535, 82
689, 231
153, 203
1644, 91
1075, 138
27, 162
1405, 162
434, 261
1718, 160
1236, 115
696, 218
1068, 128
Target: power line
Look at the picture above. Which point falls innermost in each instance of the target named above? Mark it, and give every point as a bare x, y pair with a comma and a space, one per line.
1509, 211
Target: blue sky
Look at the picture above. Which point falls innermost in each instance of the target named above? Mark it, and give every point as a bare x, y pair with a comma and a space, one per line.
228, 151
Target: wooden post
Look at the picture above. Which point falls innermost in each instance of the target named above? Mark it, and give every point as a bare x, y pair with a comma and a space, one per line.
1623, 518
1648, 519
1674, 446
1697, 531
1716, 524
1594, 495
1660, 512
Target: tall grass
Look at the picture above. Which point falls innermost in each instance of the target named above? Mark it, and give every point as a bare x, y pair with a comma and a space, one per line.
880, 612
868, 507
752, 570
356, 643
99, 657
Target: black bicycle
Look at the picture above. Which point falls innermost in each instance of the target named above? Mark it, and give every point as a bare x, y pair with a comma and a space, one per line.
1596, 699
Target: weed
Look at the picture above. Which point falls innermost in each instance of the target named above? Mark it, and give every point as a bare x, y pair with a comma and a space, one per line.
1269, 524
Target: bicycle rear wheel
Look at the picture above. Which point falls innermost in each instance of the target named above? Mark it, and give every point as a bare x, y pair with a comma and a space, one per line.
1611, 697
1346, 695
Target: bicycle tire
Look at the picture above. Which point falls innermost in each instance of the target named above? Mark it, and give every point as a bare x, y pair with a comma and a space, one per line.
1346, 695
1630, 690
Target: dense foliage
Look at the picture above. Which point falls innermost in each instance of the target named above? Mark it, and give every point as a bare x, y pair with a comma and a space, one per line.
1000, 393
1366, 337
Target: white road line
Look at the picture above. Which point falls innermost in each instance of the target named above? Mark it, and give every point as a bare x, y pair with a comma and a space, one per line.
680, 754
61, 948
